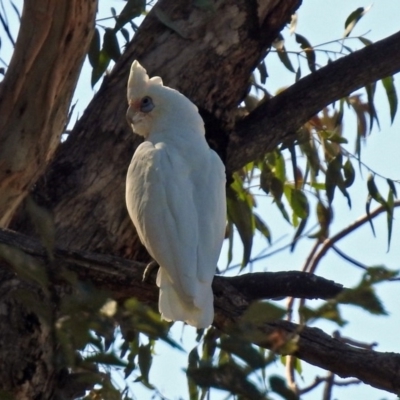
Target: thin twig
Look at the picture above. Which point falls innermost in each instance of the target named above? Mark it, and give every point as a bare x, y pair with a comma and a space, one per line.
348, 382
351, 155
328, 243
341, 40
5, 24
290, 376
329, 382
348, 258
355, 343
311, 255
318, 380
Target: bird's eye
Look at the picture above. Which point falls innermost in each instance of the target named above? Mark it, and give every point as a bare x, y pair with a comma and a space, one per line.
146, 105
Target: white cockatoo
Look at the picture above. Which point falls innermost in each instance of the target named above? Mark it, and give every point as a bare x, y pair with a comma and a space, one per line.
175, 195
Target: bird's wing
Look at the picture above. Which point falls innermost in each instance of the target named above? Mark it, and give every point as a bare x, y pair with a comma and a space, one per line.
160, 202
210, 200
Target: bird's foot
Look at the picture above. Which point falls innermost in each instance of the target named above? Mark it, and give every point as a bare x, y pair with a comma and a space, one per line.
151, 266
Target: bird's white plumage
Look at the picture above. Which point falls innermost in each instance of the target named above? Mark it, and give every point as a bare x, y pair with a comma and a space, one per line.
175, 194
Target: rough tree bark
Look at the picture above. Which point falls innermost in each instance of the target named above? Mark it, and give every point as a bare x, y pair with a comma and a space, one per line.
209, 57
35, 97
36, 93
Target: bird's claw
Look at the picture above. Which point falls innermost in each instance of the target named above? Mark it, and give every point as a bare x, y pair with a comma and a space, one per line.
151, 266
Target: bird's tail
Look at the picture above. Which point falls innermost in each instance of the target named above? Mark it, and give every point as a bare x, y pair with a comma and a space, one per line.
174, 308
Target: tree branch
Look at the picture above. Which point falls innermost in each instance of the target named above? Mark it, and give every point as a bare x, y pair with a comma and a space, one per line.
270, 285
277, 119
124, 279
330, 242
380, 370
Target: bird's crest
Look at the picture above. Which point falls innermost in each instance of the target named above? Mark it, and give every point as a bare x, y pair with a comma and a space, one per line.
139, 81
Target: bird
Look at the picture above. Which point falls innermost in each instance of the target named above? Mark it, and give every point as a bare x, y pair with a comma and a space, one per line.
175, 197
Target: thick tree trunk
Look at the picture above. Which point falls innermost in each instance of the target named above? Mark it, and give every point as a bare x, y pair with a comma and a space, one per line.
35, 96
36, 92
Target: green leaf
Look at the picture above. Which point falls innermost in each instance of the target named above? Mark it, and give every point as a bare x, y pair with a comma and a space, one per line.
244, 350
299, 203
272, 178
374, 192
298, 74
349, 173
241, 214
146, 320
390, 216
111, 45
279, 166
329, 311
94, 49
392, 187
145, 360
262, 69
273, 175
276, 188
193, 362
43, 221
370, 89
318, 186
106, 359
353, 18
334, 179
388, 84
260, 312
131, 10
283, 211
309, 148
298, 233
26, 266
324, 216
364, 41
125, 34
308, 49
367, 209
100, 67
284, 58
278, 385
262, 227
333, 137
379, 274
210, 344
333, 176
362, 296
230, 377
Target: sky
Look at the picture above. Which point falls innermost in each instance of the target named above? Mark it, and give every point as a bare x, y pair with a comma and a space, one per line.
320, 22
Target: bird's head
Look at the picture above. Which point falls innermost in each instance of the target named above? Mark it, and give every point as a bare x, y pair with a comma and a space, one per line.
153, 106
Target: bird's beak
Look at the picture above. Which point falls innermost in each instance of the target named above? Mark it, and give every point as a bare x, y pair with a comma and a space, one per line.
132, 114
